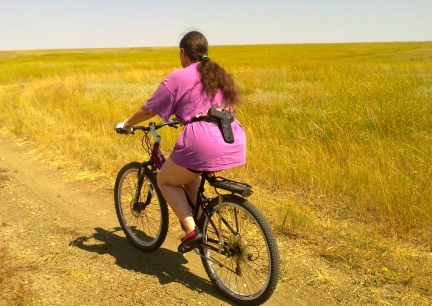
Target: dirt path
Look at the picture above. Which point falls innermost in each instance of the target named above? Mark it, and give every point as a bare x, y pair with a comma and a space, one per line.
66, 246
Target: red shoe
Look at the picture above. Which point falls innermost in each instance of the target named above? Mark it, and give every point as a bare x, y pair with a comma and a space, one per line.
190, 241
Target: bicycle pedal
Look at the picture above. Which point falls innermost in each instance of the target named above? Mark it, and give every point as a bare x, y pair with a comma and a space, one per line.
190, 241
186, 249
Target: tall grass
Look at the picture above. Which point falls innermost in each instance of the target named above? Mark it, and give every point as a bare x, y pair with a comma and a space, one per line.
346, 122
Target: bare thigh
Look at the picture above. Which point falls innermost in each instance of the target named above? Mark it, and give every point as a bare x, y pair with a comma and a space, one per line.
170, 179
175, 175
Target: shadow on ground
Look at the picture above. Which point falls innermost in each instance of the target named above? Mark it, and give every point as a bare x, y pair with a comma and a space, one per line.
165, 264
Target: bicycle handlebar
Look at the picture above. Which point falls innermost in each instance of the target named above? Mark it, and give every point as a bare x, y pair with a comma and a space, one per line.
172, 123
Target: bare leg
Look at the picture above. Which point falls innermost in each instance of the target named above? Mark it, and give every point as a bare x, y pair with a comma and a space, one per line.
170, 179
192, 189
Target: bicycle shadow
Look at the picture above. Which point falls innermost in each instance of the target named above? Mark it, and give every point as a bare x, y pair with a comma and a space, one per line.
166, 265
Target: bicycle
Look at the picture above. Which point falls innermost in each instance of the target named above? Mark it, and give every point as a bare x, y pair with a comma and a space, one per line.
238, 249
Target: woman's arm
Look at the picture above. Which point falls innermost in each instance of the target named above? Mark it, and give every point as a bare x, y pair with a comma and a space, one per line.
160, 104
142, 114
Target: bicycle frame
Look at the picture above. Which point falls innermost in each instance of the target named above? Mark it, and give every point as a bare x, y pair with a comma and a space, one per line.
156, 161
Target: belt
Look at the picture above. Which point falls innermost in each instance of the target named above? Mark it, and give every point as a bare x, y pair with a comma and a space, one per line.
224, 125
211, 120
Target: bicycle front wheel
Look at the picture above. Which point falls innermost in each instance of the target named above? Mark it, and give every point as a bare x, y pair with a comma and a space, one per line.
141, 209
239, 252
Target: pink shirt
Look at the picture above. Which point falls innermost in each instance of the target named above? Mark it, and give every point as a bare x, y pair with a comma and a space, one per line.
200, 145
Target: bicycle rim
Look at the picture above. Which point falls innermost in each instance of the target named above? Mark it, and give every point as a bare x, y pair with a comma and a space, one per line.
144, 222
248, 270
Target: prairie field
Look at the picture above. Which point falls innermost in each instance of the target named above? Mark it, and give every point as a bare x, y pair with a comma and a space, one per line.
339, 147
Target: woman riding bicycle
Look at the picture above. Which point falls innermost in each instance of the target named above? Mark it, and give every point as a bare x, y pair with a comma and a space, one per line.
189, 94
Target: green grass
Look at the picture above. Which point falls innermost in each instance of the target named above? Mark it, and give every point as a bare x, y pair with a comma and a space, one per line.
339, 135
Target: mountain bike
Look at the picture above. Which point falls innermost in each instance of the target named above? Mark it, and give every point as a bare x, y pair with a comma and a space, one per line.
238, 249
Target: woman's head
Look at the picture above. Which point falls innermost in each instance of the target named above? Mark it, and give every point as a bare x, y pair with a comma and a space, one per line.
195, 45
193, 49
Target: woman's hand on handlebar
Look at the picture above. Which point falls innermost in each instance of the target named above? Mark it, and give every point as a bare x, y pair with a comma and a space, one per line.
121, 129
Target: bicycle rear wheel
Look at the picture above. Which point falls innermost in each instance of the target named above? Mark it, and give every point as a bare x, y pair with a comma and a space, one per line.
144, 219
247, 268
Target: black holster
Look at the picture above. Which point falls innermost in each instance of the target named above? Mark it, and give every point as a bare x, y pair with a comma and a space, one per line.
224, 123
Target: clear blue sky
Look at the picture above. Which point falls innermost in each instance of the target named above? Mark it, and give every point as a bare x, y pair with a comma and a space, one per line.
58, 24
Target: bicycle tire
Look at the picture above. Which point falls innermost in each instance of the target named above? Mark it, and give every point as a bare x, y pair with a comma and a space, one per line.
144, 223
250, 273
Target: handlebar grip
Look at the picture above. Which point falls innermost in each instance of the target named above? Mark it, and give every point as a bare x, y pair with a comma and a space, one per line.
124, 131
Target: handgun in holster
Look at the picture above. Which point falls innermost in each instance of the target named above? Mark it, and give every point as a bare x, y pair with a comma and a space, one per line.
224, 123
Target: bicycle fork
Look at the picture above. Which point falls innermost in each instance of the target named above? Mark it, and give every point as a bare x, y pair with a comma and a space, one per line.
137, 205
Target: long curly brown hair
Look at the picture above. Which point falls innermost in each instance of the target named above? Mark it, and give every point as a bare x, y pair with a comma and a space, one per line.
213, 76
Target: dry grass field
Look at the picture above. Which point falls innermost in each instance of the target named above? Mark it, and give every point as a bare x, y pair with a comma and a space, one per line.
339, 146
